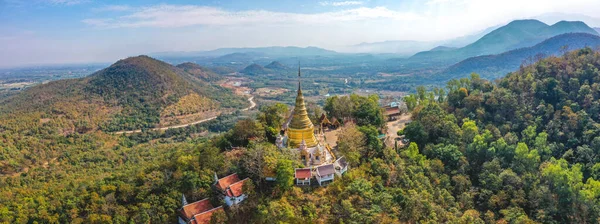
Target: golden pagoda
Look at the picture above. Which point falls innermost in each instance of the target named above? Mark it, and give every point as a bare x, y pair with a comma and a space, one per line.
300, 127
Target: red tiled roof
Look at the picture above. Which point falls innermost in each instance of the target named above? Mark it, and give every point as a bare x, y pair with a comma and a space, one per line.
236, 189
204, 218
198, 207
224, 182
303, 173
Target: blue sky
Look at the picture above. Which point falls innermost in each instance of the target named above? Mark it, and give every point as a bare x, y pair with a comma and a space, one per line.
80, 31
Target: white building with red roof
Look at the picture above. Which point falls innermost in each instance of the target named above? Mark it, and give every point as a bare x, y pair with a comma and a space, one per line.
303, 176
231, 187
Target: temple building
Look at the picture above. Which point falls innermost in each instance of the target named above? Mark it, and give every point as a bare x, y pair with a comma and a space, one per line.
299, 134
231, 189
199, 212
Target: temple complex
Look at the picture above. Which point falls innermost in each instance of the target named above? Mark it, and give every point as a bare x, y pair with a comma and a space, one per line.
299, 133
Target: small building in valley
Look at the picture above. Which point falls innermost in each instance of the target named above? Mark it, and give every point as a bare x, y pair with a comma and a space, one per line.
392, 113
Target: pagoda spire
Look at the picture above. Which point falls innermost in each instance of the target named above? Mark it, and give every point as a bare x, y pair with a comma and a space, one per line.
300, 127
299, 80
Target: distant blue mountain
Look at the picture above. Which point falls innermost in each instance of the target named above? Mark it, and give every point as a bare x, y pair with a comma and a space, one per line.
266, 51
443, 48
516, 34
410, 47
495, 66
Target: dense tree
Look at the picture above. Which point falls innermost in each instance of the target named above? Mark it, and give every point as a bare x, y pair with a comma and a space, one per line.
351, 143
284, 174
272, 118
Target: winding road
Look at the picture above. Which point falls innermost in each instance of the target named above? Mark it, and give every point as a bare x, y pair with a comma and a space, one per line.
252, 105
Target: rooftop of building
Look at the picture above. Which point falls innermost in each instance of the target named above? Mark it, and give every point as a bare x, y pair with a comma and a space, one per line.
303, 173
341, 162
225, 182
198, 207
204, 217
236, 189
324, 170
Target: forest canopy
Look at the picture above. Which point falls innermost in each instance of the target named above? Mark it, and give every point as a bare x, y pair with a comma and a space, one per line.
522, 149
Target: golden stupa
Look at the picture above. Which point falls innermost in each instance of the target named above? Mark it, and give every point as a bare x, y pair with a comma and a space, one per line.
300, 127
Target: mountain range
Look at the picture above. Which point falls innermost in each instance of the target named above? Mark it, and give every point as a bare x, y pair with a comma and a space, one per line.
410, 47
266, 51
516, 34
495, 66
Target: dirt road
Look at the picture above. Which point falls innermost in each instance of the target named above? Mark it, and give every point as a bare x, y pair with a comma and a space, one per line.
252, 105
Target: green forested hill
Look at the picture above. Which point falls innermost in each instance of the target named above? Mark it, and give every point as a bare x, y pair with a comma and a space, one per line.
131, 94
528, 147
255, 69
275, 65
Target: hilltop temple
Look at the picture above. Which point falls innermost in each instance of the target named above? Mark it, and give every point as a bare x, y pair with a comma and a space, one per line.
299, 133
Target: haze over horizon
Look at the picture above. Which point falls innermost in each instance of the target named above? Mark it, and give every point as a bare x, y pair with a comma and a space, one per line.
85, 31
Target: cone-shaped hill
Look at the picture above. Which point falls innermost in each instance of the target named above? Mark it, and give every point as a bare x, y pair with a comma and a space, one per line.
133, 93
255, 69
275, 65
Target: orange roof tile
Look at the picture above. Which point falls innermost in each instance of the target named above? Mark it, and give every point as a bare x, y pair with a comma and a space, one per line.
224, 182
198, 207
303, 173
236, 189
204, 217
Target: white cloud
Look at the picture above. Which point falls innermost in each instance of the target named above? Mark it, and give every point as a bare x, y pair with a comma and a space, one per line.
344, 3
181, 16
28, 3
66, 2
98, 22
114, 8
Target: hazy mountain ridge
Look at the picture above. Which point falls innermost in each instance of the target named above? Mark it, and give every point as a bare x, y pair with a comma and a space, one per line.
443, 48
271, 51
494, 66
514, 35
410, 47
